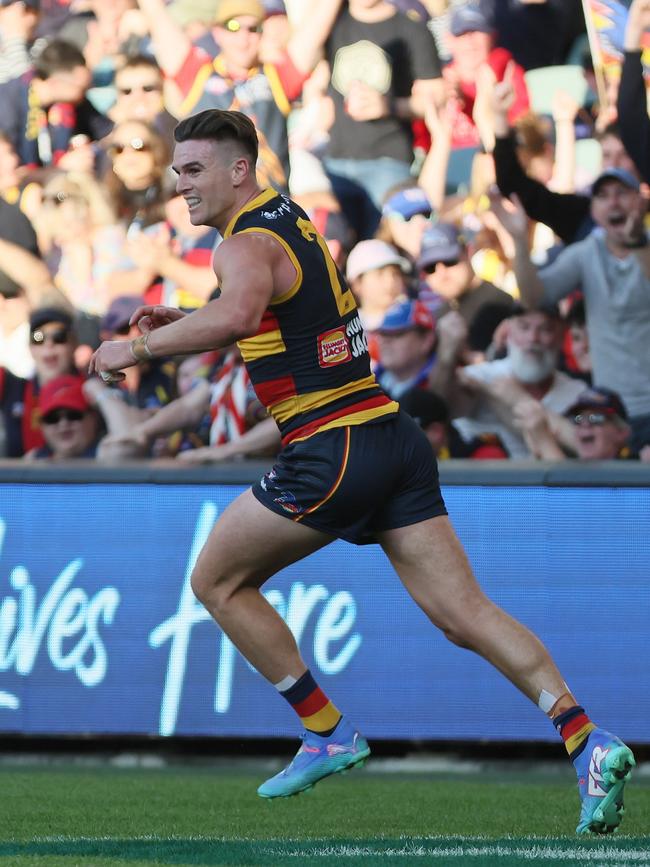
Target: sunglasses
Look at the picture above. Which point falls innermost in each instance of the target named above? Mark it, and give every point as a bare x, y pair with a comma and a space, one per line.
141, 88
596, 418
234, 26
58, 415
136, 144
430, 269
59, 337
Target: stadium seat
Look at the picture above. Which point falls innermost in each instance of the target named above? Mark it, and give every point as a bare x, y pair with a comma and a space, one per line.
543, 83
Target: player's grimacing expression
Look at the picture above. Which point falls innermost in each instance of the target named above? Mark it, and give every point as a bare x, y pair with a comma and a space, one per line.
205, 170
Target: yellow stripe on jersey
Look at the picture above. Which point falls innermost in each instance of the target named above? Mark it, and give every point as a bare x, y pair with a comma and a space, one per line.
286, 409
354, 418
264, 197
277, 90
270, 343
195, 91
255, 230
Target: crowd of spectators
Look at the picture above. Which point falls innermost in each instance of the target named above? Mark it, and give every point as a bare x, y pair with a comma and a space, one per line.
491, 222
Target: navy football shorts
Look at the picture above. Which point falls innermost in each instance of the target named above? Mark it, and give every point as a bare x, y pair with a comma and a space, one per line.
353, 482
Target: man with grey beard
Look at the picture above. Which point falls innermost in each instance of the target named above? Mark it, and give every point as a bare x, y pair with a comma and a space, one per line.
497, 396
612, 267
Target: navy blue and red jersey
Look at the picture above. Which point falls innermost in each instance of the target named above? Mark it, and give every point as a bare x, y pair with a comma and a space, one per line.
41, 134
309, 361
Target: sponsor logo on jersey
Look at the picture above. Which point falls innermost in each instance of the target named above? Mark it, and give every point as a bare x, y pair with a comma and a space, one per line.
333, 347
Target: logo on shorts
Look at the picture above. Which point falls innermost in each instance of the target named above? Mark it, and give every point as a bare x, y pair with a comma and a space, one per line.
333, 347
288, 502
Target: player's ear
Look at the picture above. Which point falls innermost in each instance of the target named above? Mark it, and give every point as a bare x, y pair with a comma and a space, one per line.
240, 170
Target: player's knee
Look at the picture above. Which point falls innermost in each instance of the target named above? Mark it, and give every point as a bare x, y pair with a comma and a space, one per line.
462, 624
208, 587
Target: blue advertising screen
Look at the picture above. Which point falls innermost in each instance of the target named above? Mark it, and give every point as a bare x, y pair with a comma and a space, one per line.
100, 631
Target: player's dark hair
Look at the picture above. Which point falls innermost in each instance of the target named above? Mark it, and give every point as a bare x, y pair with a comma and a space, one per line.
58, 56
219, 126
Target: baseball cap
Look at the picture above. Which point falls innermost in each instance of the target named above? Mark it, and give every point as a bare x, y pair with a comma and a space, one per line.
625, 177
63, 392
424, 406
440, 243
42, 315
405, 315
120, 311
371, 254
228, 9
603, 399
469, 18
407, 203
187, 11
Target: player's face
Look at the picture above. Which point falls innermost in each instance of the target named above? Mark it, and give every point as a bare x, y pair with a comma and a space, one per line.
205, 180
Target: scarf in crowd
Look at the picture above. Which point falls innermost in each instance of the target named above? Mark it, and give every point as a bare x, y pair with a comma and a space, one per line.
230, 394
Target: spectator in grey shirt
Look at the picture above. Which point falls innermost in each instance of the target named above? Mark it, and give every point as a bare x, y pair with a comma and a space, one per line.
612, 267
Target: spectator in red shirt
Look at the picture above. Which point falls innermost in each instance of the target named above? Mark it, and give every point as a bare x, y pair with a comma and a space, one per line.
52, 344
476, 65
236, 79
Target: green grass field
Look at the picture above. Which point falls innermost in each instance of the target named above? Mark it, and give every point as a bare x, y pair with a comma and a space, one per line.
63, 815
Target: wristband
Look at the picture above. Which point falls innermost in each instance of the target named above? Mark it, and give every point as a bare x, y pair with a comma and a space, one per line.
140, 348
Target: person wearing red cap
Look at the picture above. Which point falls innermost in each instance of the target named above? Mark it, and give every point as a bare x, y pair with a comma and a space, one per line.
353, 466
71, 427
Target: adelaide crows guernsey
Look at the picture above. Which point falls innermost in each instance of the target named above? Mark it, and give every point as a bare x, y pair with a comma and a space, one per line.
309, 361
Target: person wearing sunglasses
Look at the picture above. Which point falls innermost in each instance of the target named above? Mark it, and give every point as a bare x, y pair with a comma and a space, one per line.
52, 345
238, 78
449, 281
71, 427
600, 420
139, 96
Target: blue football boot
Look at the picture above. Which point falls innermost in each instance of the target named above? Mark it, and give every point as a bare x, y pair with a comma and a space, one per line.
603, 768
318, 757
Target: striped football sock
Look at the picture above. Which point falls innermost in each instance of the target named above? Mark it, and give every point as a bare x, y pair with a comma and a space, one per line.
574, 727
316, 711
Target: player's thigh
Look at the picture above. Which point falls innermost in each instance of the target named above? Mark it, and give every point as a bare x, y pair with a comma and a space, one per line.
249, 543
433, 566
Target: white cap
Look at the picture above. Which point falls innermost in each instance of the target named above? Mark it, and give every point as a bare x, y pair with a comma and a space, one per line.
371, 254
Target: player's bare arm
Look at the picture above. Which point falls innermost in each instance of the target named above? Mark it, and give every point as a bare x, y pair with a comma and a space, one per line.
245, 295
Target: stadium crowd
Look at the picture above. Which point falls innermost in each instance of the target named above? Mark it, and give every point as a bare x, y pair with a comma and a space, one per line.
484, 191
